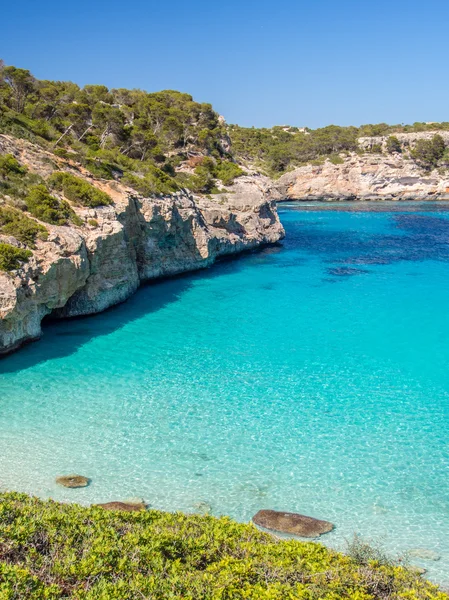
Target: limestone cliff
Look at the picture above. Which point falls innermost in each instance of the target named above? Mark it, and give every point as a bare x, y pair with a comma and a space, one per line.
368, 176
84, 270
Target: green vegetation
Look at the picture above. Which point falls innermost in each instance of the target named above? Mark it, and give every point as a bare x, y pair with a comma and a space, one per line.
207, 172
56, 551
144, 138
429, 152
9, 165
15, 179
11, 258
393, 145
278, 149
15, 223
226, 171
152, 181
49, 209
113, 133
77, 190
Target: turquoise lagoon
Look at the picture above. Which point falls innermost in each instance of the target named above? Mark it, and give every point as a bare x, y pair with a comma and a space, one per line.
310, 377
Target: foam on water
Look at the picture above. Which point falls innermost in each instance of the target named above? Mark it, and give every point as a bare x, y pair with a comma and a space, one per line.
312, 377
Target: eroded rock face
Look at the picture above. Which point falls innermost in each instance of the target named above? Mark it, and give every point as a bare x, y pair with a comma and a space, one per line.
84, 270
367, 177
292, 523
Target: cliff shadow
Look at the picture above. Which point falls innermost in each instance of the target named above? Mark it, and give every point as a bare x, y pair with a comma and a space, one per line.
63, 337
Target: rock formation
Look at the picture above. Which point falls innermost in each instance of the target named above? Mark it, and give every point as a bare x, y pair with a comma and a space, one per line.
292, 523
84, 270
368, 176
123, 506
73, 481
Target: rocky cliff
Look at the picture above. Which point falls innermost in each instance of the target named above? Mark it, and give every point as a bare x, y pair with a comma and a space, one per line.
368, 176
86, 269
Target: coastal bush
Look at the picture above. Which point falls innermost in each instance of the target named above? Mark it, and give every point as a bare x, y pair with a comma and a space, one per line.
11, 258
393, 145
336, 159
55, 551
49, 209
203, 180
428, 152
155, 181
227, 171
15, 179
77, 190
24, 229
9, 164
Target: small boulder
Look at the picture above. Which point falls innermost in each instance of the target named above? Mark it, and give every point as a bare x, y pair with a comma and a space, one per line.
73, 481
292, 523
125, 506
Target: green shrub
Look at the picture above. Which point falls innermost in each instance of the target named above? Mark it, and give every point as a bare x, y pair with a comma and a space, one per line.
155, 181
24, 229
62, 551
99, 168
62, 152
428, 152
11, 258
9, 164
227, 171
205, 174
336, 159
15, 179
393, 145
376, 149
92, 222
47, 208
78, 191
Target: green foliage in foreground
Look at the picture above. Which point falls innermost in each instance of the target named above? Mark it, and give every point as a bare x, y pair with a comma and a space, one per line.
11, 258
55, 551
49, 209
78, 191
24, 229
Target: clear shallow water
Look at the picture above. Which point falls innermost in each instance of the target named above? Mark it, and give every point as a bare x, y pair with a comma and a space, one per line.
313, 377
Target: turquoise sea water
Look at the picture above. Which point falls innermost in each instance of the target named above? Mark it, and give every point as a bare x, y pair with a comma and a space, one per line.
311, 377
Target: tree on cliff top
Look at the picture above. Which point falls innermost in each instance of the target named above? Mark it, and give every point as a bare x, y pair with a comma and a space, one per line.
21, 85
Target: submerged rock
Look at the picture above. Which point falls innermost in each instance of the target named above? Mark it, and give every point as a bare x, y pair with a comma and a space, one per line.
203, 508
424, 553
125, 506
73, 481
292, 523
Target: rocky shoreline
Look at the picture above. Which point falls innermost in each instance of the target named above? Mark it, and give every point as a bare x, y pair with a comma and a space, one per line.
365, 178
84, 270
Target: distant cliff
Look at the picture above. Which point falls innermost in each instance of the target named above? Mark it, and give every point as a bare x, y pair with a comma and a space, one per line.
374, 175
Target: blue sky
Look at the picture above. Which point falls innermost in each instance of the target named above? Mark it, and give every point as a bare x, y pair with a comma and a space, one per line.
259, 63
